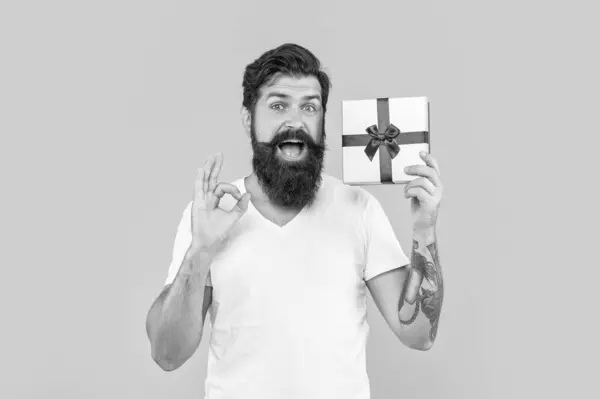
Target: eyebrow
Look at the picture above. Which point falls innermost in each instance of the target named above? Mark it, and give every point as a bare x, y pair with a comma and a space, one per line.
287, 96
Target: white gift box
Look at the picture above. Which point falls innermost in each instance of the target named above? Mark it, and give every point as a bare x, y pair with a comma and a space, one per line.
378, 128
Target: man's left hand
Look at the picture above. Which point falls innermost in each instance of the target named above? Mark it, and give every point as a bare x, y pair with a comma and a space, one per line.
425, 193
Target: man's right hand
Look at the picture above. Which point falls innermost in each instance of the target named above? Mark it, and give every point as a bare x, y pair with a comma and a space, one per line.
210, 224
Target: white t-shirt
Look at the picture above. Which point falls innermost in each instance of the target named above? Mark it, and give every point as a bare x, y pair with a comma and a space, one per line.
288, 314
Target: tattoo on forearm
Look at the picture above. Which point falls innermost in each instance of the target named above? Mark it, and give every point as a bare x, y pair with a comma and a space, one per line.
429, 300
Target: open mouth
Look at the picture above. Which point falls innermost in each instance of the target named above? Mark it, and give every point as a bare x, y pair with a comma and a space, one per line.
292, 149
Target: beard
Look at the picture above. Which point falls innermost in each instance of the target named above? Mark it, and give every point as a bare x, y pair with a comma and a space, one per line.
289, 184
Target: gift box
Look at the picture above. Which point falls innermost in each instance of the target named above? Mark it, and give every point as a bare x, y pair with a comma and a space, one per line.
380, 137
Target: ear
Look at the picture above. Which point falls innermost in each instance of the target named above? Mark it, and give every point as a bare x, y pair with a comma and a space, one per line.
246, 120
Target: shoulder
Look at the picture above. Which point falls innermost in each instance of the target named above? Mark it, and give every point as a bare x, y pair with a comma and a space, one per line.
355, 197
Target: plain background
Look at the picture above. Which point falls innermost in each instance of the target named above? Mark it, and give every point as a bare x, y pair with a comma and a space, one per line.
108, 108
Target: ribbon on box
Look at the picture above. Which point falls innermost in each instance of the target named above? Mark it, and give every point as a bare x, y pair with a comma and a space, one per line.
386, 138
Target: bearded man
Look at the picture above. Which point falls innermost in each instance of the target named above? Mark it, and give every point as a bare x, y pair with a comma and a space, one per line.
283, 263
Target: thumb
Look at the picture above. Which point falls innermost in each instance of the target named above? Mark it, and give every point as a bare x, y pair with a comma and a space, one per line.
242, 205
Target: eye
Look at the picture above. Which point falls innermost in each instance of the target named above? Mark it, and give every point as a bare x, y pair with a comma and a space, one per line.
277, 106
311, 108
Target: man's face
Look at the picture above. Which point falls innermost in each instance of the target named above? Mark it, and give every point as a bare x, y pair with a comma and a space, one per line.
288, 140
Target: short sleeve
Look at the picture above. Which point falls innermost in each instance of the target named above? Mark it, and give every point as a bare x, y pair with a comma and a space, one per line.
383, 251
183, 239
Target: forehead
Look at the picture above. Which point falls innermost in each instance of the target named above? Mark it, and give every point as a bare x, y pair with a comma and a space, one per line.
293, 86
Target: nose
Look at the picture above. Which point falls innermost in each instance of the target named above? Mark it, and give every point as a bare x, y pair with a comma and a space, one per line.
294, 120
294, 124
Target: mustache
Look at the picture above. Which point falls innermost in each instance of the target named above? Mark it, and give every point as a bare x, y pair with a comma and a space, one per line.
292, 134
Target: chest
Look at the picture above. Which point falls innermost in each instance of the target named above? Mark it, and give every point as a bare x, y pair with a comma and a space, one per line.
268, 273
272, 215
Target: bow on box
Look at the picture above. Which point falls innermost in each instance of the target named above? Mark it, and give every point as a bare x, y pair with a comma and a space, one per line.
386, 138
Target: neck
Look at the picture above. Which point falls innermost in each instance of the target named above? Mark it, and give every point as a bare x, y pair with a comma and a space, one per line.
259, 197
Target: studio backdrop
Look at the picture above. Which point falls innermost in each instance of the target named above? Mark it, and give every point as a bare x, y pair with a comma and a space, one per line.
110, 107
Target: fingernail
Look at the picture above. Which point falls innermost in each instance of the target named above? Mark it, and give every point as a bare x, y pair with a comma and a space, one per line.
423, 153
406, 169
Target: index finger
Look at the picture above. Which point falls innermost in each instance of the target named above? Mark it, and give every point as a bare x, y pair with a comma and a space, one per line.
431, 161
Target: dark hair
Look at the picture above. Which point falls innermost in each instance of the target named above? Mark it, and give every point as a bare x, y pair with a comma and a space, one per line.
287, 59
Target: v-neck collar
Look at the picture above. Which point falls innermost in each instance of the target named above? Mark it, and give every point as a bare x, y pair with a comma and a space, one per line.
265, 220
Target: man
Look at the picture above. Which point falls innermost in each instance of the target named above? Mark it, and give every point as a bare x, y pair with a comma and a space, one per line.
283, 263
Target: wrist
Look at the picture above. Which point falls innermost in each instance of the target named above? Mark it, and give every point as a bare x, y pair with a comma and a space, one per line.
425, 235
196, 246
197, 261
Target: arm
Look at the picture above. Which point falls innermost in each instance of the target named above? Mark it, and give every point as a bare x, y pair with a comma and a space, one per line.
420, 308
410, 298
176, 319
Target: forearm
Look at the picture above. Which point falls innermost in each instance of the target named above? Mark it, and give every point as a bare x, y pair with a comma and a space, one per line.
420, 305
176, 319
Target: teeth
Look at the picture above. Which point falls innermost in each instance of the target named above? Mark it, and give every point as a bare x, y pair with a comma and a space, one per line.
292, 151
